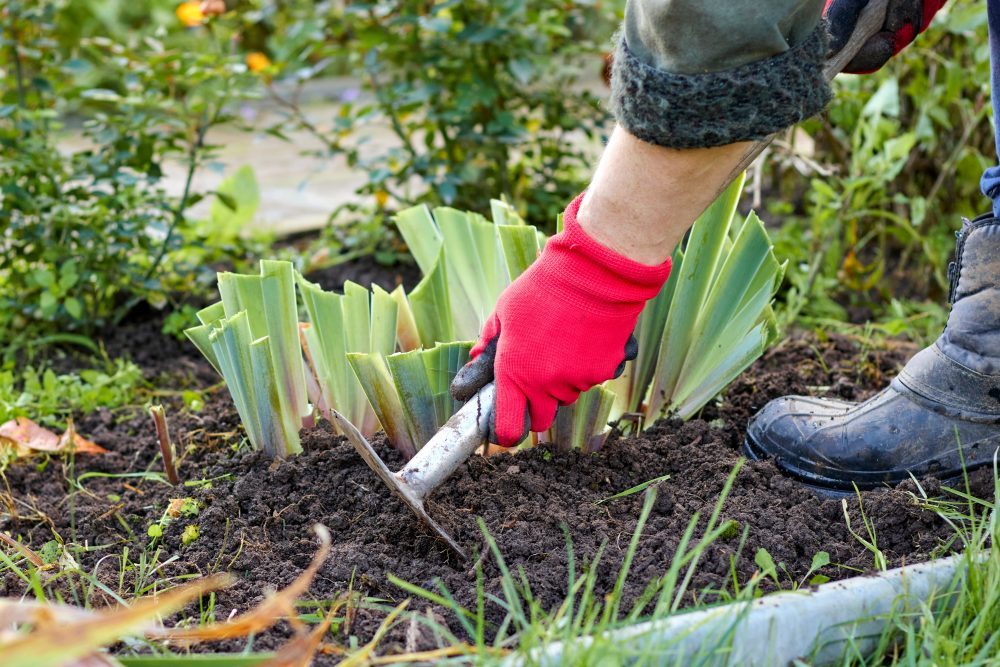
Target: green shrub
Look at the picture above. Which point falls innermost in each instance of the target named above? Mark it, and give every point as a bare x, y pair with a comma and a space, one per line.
892, 166
481, 97
49, 398
88, 231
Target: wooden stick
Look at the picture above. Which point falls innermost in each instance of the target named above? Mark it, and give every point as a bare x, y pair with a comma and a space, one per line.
166, 448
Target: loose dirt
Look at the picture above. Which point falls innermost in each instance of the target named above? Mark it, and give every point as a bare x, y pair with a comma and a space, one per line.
255, 514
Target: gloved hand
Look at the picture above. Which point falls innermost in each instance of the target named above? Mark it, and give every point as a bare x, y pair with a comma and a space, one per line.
905, 19
564, 326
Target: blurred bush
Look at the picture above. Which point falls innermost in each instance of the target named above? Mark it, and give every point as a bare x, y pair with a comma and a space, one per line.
87, 230
870, 194
484, 98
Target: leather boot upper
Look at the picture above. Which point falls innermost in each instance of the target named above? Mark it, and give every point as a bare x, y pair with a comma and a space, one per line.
972, 336
940, 416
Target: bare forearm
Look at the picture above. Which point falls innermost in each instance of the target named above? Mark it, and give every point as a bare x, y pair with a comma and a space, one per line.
643, 198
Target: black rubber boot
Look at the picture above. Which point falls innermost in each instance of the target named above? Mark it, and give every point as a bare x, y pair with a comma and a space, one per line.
940, 415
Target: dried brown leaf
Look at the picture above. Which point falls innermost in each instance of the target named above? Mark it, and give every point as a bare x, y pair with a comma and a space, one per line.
27, 437
62, 634
364, 655
277, 606
175, 507
300, 650
71, 440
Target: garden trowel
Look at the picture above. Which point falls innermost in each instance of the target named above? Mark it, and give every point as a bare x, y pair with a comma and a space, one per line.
469, 427
436, 461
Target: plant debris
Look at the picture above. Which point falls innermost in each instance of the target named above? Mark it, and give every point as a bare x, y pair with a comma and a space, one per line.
24, 437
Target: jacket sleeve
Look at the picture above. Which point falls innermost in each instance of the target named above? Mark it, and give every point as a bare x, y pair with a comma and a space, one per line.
700, 73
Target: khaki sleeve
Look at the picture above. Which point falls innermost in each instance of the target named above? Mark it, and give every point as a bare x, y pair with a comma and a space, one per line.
697, 73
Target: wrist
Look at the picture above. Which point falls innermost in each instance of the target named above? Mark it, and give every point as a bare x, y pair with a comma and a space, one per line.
604, 218
598, 275
643, 198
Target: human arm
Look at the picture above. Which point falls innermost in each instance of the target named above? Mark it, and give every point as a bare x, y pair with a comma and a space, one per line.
693, 83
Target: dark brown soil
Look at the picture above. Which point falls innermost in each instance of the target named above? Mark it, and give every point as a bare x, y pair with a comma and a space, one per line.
366, 271
256, 514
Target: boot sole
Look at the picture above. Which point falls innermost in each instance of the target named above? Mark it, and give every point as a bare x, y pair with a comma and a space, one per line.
835, 489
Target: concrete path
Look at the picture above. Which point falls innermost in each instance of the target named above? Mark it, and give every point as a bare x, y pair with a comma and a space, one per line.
298, 193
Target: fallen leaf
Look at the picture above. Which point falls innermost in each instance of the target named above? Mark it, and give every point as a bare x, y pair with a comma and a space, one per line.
26, 437
277, 606
175, 507
299, 652
71, 440
24, 434
365, 653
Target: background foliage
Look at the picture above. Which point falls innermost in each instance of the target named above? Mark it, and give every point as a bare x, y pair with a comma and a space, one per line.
868, 196
88, 231
483, 99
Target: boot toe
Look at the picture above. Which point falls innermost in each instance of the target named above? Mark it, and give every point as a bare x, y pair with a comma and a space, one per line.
789, 426
883, 440
794, 418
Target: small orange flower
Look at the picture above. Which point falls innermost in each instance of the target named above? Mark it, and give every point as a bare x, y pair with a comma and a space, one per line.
190, 13
257, 61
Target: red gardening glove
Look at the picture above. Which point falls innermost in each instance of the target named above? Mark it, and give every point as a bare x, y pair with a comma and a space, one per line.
904, 20
564, 326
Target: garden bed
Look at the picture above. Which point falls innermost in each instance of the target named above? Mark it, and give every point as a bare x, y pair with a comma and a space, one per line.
255, 515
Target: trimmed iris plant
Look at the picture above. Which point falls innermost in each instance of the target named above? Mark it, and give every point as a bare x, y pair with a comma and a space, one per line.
251, 337
386, 360
712, 319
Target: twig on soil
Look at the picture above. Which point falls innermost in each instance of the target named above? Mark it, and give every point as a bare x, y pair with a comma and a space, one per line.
166, 448
25, 551
484, 549
115, 508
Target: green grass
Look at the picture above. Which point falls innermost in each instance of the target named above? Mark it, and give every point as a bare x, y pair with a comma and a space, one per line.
960, 626
50, 398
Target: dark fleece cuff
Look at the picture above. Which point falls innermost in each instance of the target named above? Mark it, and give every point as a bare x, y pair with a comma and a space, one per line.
745, 103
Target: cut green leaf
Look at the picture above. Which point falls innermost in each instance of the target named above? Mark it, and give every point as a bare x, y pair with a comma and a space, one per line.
467, 262
410, 391
584, 424
339, 324
251, 338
